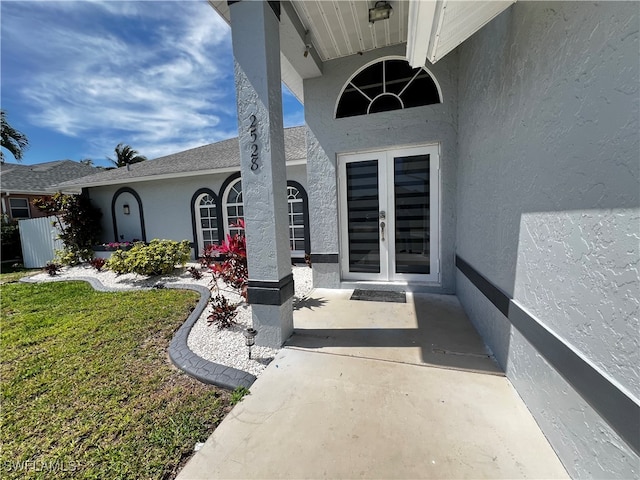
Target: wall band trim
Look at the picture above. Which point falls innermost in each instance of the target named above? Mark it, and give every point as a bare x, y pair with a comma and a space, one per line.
619, 410
270, 292
324, 258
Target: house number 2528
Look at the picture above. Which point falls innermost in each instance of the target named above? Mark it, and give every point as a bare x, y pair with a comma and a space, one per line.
253, 147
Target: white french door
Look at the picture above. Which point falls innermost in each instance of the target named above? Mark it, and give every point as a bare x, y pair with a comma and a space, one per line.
389, 209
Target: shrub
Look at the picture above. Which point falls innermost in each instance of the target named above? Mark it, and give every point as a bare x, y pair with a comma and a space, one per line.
209, 255
98, 263
10, 238
224, 312
157, 258
195, 273
233, 269
52, 268
72, 256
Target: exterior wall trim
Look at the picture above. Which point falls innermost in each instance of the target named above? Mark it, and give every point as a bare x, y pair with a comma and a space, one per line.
270, 293
324, 258
615, 406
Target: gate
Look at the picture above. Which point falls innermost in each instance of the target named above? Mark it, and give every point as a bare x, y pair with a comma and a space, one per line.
39, 239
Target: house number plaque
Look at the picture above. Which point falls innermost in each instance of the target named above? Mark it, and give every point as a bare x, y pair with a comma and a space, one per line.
253, 146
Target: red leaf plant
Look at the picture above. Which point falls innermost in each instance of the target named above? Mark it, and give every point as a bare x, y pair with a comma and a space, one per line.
233, 268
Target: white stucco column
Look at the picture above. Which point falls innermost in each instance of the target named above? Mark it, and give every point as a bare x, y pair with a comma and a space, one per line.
256, 48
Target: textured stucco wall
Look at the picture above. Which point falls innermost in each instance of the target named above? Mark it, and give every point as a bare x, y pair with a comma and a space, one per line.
329, 137
167, 203
548, 205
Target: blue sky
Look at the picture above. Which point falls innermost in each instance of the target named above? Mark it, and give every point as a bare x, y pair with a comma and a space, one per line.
79, 77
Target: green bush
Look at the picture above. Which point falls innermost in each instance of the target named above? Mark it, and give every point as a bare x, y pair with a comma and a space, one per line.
73, 256
157, 258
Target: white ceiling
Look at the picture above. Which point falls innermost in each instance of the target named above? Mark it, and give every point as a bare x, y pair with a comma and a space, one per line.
339, 28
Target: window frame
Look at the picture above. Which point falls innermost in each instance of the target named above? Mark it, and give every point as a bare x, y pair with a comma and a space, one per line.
198, 236
27, 207
374, 62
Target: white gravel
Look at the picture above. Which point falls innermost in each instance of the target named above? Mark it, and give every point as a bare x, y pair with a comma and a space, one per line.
223, 346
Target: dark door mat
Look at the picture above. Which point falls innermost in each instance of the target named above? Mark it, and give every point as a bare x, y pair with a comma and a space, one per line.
379, 296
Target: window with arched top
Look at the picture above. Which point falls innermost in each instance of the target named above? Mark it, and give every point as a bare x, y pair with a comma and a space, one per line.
296, 212
206, 221
388, 84
233, 207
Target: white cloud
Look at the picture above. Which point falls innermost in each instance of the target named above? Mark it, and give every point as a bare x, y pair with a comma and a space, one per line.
160, 89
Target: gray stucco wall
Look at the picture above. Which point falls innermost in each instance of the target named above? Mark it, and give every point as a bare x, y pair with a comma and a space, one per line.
548, 206
167, 203
329, 137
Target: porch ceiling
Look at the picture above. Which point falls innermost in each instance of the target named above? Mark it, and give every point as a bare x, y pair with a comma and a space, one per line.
339, 28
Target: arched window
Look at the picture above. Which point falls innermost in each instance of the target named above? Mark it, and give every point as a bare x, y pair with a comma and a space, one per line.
296, 213
389, 84
206, 220
233, 207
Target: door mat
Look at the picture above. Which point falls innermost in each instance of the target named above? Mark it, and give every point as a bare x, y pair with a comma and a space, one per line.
379, 296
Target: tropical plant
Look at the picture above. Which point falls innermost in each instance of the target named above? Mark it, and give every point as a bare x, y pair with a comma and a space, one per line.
13, 140
233, 269
223, 312
52, 268
157, 258
79, 224
98, 263
125, 155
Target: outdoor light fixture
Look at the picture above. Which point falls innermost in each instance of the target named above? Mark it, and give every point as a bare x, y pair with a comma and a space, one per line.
125, 209
250, 338
381, 11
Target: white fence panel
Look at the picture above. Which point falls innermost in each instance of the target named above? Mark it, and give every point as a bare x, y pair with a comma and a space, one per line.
39, 239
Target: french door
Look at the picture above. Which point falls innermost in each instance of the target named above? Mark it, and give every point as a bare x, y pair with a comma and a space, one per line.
389, 209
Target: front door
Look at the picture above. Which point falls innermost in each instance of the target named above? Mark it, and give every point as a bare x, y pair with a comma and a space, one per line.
389, 215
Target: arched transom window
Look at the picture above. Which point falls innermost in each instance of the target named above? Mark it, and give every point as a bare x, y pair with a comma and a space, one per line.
206, 221
296, 220
390, 84
233, 208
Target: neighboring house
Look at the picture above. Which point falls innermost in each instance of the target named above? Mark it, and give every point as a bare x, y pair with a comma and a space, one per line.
499, 163
196, 195
21, 184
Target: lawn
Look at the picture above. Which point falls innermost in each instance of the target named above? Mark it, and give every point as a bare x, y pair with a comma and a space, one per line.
87, 388
13, 272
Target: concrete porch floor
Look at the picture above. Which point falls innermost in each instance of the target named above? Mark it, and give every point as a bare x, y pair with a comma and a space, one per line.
379, 390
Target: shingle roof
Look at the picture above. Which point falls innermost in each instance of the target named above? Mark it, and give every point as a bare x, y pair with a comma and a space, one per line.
208, 158
39, 178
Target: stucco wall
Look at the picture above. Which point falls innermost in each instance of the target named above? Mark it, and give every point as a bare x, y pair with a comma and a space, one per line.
167, 203
548, 206
329, 137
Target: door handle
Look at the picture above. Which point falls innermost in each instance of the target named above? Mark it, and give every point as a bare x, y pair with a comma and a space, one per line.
382, 225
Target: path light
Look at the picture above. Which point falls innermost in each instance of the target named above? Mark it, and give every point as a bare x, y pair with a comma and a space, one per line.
125, 209
250, 338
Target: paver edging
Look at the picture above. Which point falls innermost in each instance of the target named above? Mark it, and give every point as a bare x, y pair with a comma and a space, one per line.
179, 352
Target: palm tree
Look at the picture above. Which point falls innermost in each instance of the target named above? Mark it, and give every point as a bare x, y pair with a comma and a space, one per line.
125, 155
13, 140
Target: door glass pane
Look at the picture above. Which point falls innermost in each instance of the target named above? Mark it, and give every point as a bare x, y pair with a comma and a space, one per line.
411, 192
362, 218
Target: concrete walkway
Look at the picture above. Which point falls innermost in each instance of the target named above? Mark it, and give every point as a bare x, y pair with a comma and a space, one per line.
362, 404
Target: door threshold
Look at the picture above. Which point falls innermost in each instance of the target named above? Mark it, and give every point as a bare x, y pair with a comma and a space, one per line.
417, 287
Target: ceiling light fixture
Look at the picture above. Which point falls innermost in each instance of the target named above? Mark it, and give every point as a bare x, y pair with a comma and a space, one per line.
381, 11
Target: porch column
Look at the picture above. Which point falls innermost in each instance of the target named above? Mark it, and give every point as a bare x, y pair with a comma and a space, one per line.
256, 48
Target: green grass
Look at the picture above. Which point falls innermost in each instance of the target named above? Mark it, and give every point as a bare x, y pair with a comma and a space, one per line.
87, 389
13, 272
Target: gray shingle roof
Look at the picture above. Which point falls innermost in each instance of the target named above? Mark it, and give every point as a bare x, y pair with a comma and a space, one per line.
220, 155
39, 178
